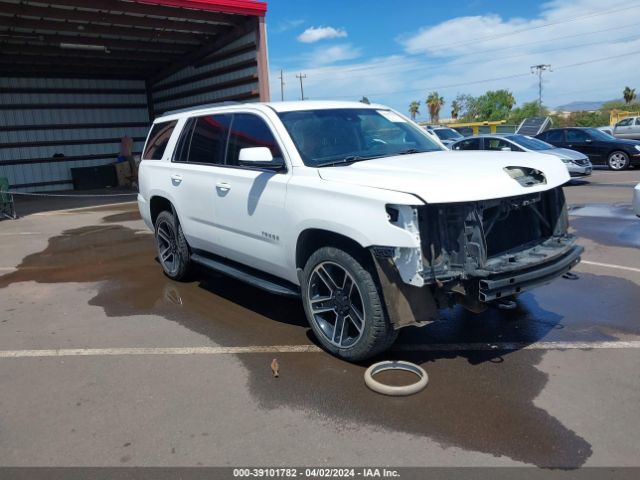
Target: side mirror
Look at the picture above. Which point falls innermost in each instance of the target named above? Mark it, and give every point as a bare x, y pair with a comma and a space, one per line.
259, 157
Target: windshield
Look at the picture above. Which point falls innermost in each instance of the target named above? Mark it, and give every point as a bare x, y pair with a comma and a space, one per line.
530, 143
448, 134
599, 134
330, 136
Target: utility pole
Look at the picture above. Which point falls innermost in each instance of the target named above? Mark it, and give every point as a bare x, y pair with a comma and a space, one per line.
281, 77
539, 69
301, 76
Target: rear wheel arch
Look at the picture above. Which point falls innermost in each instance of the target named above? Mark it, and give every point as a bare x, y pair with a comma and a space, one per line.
159, 204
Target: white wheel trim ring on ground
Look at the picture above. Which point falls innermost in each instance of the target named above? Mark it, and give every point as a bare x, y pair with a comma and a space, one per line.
396, 391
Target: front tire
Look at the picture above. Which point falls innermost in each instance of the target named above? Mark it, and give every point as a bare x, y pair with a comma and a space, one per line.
618, 160
344, 307
173, 250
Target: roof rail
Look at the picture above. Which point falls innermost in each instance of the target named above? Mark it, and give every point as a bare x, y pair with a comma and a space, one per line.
198, 107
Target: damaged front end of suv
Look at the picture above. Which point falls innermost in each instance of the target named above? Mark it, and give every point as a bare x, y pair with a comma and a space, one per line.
474, 253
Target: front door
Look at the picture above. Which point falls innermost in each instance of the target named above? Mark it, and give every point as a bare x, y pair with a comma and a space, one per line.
581, 141
250, 202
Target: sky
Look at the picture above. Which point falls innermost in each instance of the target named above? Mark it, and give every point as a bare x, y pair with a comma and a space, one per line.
397, 51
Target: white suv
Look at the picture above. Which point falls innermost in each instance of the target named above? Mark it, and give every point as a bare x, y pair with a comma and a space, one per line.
353, 208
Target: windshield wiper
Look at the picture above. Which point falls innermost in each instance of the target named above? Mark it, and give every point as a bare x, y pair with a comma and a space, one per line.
345, 161
410, 151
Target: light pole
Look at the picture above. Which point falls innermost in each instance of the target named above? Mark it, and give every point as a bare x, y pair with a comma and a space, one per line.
539, 69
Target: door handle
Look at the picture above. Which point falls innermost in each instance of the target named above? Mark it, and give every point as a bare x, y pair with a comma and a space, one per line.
175, 178
223, 186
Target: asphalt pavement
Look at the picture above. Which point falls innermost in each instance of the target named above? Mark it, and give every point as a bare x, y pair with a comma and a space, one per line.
106, 362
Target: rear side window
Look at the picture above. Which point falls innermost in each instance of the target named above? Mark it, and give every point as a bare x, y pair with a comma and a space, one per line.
469, 144
208, 140
249, 131
158, 140
497, 144
576, 136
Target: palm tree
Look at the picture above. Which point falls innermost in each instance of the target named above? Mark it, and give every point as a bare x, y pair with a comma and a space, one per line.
455, 109
434, 103
629, 95
414, 109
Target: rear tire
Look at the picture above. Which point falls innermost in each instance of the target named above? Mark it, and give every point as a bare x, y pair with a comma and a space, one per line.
172, 247
344, 306
618, 160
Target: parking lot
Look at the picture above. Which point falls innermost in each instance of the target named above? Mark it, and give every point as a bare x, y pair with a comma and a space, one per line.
106, 362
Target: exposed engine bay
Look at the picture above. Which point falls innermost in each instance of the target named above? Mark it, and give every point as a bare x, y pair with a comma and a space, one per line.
473, 253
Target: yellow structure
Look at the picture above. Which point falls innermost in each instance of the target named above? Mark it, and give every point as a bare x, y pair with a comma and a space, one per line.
475, 126
616, 115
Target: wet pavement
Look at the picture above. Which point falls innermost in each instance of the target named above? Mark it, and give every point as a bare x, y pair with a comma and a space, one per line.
90, 280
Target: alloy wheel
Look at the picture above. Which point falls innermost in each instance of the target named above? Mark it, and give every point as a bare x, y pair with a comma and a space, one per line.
617, 161
336, 304
167, 247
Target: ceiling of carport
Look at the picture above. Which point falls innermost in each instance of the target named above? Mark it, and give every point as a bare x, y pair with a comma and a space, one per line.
145, 39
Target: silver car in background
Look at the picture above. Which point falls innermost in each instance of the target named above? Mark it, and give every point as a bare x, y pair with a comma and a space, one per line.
577, 163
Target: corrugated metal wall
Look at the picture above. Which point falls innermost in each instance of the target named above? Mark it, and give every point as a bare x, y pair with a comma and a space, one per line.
82, 119
229, 74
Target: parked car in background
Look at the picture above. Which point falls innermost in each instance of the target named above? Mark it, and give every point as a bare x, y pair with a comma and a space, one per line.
577, 163
627, 128
602, 149
446, 135
636, 200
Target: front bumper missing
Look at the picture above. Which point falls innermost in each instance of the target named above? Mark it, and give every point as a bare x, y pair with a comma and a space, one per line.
410, 305
504, 285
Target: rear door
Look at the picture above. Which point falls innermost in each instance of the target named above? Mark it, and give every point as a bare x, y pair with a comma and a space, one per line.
196, 163
250, 201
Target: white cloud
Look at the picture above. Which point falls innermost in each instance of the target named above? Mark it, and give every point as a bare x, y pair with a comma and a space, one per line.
333, 54
466, 50
315, 34
286, 25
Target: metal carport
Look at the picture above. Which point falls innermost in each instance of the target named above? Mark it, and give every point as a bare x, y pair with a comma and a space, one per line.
77, 76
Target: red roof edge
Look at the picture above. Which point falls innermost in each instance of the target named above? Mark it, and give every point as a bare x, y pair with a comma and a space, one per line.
241, 7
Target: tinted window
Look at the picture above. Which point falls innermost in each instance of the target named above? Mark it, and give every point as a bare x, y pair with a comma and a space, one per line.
625, 122
469, 144
158, 140
208, 139
576, 136
638, 121
249, 131
497, 144
181, 152
554, 136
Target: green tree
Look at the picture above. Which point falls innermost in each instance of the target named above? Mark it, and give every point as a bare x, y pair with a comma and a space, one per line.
629, 95
414, 109
492, 105
434, 103
456, 106
528, 109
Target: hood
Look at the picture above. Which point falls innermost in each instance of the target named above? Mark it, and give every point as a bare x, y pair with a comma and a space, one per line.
564, 153
450, 176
